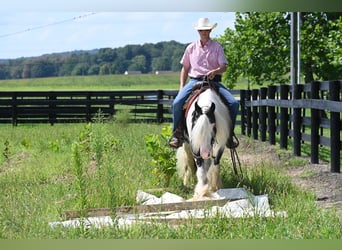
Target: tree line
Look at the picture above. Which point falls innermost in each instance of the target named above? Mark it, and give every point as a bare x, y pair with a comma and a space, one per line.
144, 58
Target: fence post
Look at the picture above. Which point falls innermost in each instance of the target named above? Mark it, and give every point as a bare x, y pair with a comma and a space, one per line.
271, 116
52, 108
249, 113
160, 107
88, 105
297, 121
111, 104
14, 109
284, 117
315, 121
263, 127
255, 114
335, 123
243, 111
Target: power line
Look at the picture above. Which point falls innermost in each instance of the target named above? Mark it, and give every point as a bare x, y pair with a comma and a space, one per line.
47, 25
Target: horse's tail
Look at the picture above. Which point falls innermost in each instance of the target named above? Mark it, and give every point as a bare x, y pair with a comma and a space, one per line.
185, 164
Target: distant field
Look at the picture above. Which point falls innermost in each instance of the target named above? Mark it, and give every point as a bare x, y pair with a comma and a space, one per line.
101, 82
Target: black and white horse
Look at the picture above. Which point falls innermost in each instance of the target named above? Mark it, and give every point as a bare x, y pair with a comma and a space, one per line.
208, 127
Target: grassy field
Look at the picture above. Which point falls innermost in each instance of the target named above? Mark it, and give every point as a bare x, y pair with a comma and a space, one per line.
102, 82
46, 170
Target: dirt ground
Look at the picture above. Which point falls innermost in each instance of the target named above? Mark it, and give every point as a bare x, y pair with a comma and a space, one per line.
316, 178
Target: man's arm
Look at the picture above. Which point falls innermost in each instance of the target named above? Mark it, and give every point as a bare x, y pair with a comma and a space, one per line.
183, 76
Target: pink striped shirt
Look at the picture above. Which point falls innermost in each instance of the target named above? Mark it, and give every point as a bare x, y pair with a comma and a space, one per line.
201, 60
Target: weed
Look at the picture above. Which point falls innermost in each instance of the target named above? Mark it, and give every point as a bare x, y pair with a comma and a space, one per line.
80, 173
26, 143
123, 117
54, 145
163, 157
7, 151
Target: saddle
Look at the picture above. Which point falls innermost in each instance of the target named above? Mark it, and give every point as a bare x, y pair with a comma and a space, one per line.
198, 88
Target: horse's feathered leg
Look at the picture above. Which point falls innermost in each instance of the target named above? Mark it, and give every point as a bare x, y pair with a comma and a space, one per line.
202, 188
185, 164
214, 177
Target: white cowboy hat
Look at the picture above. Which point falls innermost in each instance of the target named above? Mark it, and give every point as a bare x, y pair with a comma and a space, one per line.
204, 24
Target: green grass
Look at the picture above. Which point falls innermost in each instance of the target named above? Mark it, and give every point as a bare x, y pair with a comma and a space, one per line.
101, 82
45, 170
104, 82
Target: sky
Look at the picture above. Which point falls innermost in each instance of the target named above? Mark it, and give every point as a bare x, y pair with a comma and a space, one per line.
26, 32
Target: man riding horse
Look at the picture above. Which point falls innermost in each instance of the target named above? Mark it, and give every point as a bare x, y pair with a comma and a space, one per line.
202, 59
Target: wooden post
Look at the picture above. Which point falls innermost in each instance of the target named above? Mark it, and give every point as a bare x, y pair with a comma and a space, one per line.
52, 108
14, 109
88, 105
243, 111
111, 104
315, 121
335, 123
249, 113
284, 117
297, 121
271, 115
263, 127
255, 114
160, 108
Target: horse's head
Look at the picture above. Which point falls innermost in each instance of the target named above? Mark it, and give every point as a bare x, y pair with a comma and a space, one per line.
203, 132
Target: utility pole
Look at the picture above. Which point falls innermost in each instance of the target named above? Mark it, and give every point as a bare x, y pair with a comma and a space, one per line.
295, 48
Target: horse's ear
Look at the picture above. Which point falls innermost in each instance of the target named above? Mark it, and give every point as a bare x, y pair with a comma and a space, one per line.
198, 108
212, 108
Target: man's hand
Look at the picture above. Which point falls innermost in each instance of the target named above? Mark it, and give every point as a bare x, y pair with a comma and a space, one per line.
211, 74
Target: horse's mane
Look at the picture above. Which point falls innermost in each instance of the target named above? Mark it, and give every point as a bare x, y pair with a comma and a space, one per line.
223, 121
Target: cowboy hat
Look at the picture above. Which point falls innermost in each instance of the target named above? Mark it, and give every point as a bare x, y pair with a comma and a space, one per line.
204, 24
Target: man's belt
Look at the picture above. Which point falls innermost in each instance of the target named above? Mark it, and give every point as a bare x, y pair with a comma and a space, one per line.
217, 78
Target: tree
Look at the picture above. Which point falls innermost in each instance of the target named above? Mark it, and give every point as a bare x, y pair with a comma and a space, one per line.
318, 45
161, 63
4, 74
259, 47
81, 69
334, 43
105, 69
138, 63
94, 70
106, 55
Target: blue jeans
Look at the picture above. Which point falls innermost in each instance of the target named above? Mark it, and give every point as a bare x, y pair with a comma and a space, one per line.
183, 94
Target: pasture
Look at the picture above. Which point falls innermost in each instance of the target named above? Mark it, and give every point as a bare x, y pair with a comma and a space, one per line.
46, 170
102, 82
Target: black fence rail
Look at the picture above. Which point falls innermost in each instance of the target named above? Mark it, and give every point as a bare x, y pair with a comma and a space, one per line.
306, 113
83, 106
